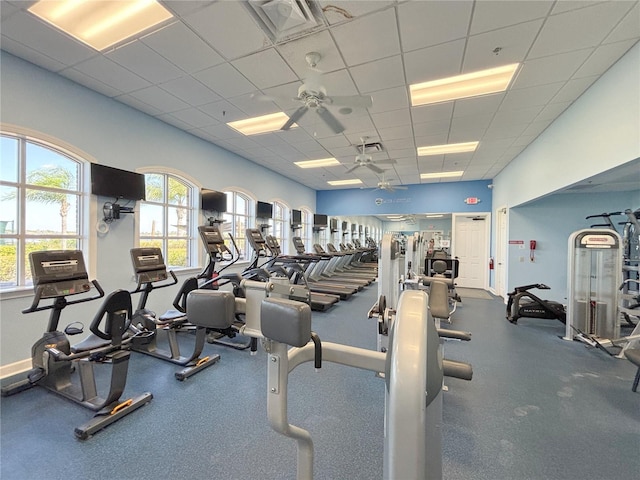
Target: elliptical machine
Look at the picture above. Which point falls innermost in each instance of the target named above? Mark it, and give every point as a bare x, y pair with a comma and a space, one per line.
534, 307
69, 370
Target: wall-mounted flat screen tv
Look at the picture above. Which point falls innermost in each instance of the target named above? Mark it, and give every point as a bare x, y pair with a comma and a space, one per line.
320, 220
334, 224
296, 217
345, 225
115, 183
264, 210
213, 201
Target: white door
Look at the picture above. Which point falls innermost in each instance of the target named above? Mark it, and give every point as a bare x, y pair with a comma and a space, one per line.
499, 263
470, 245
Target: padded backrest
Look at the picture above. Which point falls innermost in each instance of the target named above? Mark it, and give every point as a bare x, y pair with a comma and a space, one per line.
439, 300
211, 308
286, 321
439, 267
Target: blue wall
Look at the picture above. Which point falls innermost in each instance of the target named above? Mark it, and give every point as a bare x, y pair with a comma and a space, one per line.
426, 198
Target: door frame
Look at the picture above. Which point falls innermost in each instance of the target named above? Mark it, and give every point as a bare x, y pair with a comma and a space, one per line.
501, 249
487, 240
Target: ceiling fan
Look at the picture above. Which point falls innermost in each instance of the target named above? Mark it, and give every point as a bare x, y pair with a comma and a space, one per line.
386, 185
365, 160
313, 95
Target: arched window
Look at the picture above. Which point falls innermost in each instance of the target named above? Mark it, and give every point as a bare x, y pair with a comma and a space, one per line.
167, 217
281, 225
41, 204
306, 232
239, 217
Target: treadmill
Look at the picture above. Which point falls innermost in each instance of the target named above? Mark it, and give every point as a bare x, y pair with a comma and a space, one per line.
314, 274
320, 301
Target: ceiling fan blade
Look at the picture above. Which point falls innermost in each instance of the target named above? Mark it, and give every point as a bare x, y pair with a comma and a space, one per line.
386, 160
353, 168
330, 120
371, 166
294, 117
355, 101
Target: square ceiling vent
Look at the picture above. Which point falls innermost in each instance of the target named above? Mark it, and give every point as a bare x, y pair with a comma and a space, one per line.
373, 147
284, 20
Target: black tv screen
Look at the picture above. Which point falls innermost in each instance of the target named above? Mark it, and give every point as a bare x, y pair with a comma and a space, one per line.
320, 220
213, 201
264, 210
296, 217
345, 225
115, 183
334, 224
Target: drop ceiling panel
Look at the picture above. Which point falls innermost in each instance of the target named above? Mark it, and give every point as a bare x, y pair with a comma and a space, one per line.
434, 62
109, 72
424, 24
573, 89
596, 22
160, 99
190, 91
550, 69
194, 118
294, 53
602, 58
389, 99
342, 11
26, 29
174, 40
155, 68
265, 69
30, 55
526, 97
379, 75
368, 38
500, 47
628, 27
494, 14
224, 112
228, 28
225, 80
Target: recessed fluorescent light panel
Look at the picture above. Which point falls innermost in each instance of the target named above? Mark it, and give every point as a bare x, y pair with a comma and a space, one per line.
325, 162
263, 124
448, 148
441, 174
434, 216
354, 181
483, 82
101, 24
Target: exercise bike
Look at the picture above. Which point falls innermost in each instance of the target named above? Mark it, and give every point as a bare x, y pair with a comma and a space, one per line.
533, 307
151, 274
69, 370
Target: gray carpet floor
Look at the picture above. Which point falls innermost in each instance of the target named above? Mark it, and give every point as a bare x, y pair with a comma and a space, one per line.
538, 408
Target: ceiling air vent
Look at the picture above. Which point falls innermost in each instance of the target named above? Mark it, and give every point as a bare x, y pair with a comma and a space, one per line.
283, 20
373, 147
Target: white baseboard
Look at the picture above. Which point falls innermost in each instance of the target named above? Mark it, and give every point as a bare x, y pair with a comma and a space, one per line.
15, 368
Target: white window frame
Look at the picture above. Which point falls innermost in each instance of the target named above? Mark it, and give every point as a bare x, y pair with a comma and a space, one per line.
192, 208
23, 283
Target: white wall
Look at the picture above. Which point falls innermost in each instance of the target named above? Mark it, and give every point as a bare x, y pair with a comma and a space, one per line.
114, 134
600, 131
550, 221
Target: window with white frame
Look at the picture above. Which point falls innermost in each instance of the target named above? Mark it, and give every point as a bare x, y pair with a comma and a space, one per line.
41, 204
281, 225
306, 232
167, 217
238, 218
